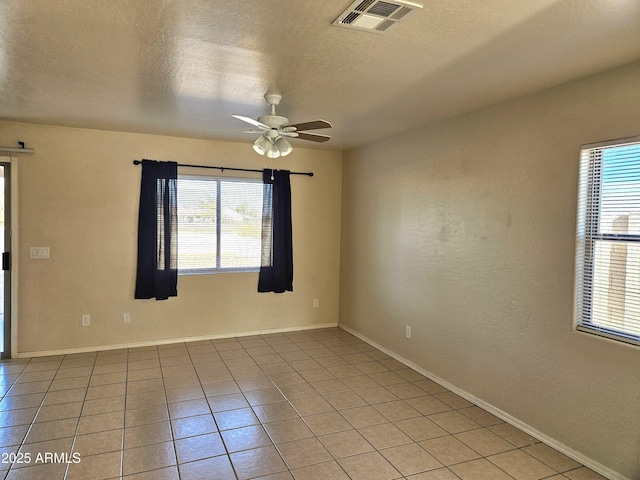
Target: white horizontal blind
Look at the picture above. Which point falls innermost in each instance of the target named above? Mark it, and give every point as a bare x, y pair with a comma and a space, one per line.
241, 224
219, 224
608, 241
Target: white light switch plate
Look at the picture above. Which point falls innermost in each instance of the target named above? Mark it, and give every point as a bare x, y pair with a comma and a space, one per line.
39, 252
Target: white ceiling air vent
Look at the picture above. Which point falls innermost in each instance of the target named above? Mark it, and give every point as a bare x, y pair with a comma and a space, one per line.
375, 15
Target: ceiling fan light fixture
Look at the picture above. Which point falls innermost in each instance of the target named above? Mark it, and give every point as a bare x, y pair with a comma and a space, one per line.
261, 145
272, 150
283, 146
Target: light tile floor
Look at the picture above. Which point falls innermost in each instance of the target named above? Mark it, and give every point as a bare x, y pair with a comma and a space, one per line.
318, 404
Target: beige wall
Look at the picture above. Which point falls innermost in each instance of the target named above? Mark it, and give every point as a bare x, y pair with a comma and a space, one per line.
79, 193
464, 230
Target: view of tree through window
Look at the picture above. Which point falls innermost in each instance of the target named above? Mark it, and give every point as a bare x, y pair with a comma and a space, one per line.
219, 224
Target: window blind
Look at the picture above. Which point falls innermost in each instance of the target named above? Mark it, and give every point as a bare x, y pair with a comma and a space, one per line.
219, 224
608, 241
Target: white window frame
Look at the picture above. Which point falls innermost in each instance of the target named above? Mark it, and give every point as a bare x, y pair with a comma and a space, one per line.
589, 237
218, 268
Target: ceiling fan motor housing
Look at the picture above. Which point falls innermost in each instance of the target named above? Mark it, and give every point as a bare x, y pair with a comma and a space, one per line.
273, 121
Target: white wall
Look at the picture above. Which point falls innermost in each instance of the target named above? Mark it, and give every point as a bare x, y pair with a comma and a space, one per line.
79, 194
465, 231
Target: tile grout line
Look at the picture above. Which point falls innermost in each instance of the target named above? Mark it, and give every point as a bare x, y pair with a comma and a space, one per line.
210, 410
251, 406
164, 390
7, 473
301, 416
84, 399
295, 410
33, 420
124, 417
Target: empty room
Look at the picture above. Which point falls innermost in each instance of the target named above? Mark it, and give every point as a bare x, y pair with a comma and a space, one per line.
286, 239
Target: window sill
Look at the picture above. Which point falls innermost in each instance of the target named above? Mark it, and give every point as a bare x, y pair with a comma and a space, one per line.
217, 271
609, 334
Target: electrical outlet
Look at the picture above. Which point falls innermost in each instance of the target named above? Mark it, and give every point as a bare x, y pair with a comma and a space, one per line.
86, 320
407, 331
127, 318
316, 303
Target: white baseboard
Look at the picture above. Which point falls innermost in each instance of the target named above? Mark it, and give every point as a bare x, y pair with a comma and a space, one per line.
152, 343
569, 452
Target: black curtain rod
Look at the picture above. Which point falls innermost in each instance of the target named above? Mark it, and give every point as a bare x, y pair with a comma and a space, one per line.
308, 174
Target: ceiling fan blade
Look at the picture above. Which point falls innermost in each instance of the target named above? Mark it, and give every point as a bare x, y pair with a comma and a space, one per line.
314, 137
253, 122
314, 125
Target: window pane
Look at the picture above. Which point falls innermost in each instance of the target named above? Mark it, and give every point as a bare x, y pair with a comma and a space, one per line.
620, 194
616, 286
196, 223
241, 218
202, 243
608, 242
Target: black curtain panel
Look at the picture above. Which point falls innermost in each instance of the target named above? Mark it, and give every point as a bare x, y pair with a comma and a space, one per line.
157, 274
276, 271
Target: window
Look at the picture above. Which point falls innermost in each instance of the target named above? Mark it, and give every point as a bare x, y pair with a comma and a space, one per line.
608, 241
219, 224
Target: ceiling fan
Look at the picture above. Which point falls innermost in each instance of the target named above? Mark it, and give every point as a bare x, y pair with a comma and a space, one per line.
274, 128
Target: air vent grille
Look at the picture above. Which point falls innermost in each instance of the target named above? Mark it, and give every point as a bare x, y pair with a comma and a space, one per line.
351, 18
384, 25
384, 9
364, 5
401, 13
375, 15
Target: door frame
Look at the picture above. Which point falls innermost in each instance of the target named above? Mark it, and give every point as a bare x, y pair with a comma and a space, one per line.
13, 248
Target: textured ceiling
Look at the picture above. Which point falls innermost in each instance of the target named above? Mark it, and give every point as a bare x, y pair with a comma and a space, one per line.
183, 67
